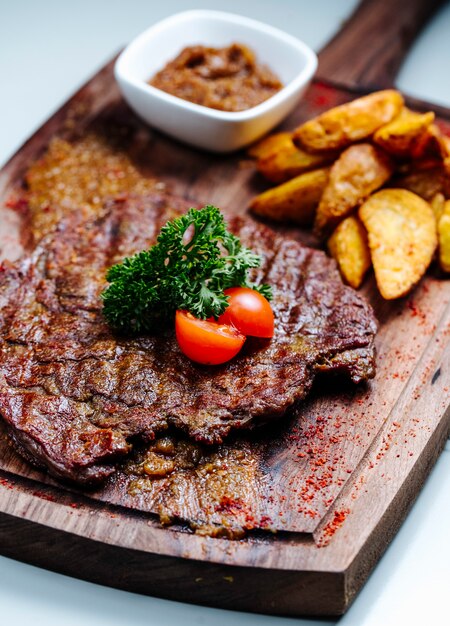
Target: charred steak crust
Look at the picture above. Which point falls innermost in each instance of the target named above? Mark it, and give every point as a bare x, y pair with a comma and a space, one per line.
75, 396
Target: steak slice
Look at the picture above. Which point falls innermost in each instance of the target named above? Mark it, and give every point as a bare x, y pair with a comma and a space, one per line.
75, 396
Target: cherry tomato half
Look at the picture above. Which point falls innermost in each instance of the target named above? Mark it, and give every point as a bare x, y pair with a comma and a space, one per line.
249, 312
206, 341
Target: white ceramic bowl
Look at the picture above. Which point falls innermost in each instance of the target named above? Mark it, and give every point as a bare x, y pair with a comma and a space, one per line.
219, 131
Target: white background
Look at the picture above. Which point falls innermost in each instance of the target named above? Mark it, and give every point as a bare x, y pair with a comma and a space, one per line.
48, 48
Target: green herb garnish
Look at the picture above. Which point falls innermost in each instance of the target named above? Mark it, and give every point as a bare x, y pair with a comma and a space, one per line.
183, 270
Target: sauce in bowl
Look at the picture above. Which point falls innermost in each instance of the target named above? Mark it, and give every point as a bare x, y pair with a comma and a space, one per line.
227, 79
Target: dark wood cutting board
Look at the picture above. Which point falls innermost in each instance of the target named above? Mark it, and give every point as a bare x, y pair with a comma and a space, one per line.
336, 479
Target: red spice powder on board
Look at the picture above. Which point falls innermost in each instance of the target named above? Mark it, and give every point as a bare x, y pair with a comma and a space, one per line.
416, 311
44, 496
229, 505
332, 526
17, 203
323, 96
234, 507
322, 466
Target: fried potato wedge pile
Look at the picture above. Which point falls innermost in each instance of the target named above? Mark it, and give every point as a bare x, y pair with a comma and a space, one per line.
373, 179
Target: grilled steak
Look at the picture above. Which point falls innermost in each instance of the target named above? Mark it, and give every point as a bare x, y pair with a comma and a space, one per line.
75, 396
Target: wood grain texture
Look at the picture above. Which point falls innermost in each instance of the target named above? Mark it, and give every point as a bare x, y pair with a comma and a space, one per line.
335, 480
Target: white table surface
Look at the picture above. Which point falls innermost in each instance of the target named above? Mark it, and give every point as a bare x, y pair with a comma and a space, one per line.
47, 49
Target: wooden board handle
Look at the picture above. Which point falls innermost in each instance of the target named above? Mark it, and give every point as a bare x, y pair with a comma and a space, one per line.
367, 52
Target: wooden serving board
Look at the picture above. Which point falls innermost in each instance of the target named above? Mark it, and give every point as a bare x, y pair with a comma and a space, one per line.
335, 479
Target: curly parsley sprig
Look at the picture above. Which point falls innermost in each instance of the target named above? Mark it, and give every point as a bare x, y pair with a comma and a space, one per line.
194, 260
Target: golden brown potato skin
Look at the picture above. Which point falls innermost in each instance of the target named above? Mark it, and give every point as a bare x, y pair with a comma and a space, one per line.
290, 161
294, 201
438, 205
444, 238
270, 144
405, 135
432, 145
360, 170
402, 239
339, 127
348, 245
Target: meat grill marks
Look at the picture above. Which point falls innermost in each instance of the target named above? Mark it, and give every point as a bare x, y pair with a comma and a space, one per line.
75, 396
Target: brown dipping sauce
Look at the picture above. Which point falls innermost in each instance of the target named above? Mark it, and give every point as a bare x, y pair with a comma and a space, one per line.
228, 79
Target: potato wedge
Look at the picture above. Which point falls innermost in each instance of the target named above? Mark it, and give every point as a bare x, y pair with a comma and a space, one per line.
444, 238
270, 144
443, 143
438, 206
428, 145
290, 161
433, 144
360, 170
339, 127
402, 239
349, 246
404, 136
295, 201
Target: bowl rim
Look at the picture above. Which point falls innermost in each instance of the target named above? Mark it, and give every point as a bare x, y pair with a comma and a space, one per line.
300, 80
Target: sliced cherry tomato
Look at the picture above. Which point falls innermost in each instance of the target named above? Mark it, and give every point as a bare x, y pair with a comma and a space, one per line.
206, 341
249, 312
